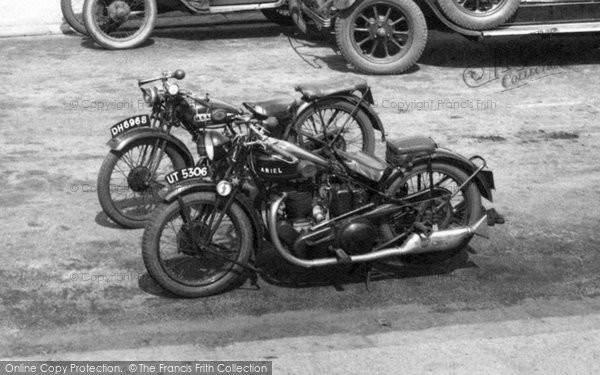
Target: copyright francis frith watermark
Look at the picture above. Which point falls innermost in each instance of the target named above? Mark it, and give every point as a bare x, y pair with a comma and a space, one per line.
501, 65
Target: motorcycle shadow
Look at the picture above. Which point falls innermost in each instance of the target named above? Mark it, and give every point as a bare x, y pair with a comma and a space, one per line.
103, 220
281, 273
89, 43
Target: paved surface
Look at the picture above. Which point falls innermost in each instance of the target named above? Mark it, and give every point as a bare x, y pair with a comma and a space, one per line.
566, 345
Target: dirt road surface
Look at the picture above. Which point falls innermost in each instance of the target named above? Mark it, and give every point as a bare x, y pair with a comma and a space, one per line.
74, 286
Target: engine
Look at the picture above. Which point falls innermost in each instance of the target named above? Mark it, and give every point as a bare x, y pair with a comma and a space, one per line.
307, 206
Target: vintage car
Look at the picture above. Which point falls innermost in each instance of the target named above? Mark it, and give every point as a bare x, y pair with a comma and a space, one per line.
122, 24
389, 36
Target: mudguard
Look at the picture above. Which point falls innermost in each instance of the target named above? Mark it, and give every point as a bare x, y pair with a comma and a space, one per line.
365, 105
191, 186
484, 179
343, 4
121, 141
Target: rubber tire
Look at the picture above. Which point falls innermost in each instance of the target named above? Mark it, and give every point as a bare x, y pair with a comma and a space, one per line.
308, 28
74, 22
469, 21
116, 44
274, 15
103, 184
472, 195
363, 120
150, 249
413, 13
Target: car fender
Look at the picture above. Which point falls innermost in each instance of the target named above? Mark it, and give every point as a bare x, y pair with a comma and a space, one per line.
343, 4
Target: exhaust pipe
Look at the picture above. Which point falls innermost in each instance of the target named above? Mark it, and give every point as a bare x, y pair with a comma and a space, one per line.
415, 244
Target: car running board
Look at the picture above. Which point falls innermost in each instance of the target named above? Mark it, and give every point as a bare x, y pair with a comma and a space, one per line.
544, 29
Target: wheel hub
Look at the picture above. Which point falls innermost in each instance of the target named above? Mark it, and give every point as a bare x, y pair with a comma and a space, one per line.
139, 179
119, 11
191, 237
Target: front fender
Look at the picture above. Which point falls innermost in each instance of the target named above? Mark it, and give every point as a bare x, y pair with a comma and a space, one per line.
484, 179
121, 141
191, 186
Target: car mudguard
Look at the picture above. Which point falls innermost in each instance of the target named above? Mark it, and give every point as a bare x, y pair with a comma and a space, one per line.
194, 186
121, 141
484, 179
343, 4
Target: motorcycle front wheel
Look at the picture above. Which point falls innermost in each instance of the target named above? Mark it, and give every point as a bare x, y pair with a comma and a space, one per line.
128, 187
120, 24
463, 209
72, 10
193, 247
347, 128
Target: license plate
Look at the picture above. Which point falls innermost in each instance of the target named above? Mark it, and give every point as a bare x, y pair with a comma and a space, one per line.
130, 123
187, 174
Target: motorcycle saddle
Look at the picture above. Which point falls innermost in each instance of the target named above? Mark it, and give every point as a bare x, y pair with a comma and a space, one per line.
364, 164
280, 108
403, 150
312, 91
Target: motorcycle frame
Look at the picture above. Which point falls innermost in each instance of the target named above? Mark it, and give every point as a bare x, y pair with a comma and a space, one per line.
385, 206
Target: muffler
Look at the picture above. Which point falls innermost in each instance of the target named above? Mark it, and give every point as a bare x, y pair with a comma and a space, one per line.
442, 240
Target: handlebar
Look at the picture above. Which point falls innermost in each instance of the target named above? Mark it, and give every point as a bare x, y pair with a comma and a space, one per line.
178, 75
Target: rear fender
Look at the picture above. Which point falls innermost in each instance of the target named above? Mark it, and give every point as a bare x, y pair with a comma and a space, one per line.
484, 179
191, 186
121, 141
364, 104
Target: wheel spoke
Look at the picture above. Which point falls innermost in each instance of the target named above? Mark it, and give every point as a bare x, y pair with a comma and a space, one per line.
394, 23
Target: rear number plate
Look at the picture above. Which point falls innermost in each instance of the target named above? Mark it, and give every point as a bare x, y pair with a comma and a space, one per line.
130, 123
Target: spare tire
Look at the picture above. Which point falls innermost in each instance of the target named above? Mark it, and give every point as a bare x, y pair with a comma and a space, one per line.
479, 14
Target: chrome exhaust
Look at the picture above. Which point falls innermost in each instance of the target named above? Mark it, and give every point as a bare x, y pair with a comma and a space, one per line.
415, 244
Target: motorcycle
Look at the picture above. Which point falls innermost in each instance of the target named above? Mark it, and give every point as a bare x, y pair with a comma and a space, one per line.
323, 208
122, 24
143, 148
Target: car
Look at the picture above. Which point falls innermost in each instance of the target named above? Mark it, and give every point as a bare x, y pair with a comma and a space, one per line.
389, 36
122, 24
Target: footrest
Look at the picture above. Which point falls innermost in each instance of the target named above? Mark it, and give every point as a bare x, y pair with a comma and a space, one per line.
493, 217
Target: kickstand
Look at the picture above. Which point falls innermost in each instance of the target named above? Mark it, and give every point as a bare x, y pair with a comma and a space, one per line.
254, 280
369, 273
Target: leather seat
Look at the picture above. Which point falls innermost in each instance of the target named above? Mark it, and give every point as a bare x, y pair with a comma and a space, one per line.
312, 91
402, 150
280, 108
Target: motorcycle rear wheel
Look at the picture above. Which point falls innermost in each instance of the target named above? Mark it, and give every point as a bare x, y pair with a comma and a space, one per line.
125, 196
120, 24
72, 10
464, 209
176, 257
358, 136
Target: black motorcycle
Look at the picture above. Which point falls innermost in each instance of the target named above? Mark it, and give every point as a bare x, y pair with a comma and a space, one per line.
323, 208
143, 148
